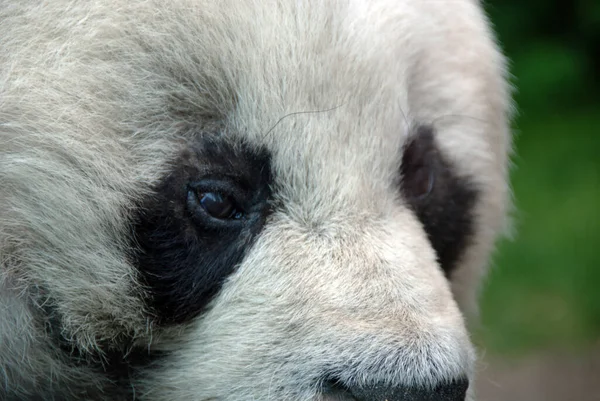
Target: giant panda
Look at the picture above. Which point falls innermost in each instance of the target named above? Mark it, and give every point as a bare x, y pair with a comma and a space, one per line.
238, 200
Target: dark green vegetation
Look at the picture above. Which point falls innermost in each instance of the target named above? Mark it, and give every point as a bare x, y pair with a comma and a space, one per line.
544, 289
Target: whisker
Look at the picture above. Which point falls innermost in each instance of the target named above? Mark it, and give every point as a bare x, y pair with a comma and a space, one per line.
457, 116
300, 112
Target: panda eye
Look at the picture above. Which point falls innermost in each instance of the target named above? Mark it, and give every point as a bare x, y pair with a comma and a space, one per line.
420, 184
219, 206
208, 201
419, 167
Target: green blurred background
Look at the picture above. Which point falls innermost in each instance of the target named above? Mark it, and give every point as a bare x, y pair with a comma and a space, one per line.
544, 289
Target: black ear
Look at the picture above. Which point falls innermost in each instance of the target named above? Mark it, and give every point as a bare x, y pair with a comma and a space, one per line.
442, 200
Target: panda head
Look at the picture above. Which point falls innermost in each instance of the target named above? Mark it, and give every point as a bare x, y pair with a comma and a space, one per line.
250, 201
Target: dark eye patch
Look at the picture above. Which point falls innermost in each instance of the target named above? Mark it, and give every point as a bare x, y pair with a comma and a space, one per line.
442, 200
199, 223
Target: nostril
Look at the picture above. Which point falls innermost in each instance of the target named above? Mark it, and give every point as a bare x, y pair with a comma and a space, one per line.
454, 390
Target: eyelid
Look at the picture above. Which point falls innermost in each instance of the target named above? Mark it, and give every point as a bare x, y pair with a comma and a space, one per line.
202, 218
225, 187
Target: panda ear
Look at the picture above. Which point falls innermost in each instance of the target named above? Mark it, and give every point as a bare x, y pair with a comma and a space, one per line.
441, 198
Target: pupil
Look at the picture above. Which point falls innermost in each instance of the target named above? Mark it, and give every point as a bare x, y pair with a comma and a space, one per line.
218, 206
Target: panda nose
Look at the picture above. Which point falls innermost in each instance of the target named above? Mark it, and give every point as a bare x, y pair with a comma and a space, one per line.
454, 390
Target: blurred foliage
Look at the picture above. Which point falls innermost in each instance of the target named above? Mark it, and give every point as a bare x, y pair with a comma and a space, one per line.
554, 48
544, 288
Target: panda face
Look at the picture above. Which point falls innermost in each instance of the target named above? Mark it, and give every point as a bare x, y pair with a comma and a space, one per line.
311, 283
243, 201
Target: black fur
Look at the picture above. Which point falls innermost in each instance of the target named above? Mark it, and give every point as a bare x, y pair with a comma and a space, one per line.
442, 200
185, 255
114, 366
453, 390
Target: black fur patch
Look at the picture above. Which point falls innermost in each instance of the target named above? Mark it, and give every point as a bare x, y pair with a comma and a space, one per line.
114, 365
454, 390
442, 200
185, 255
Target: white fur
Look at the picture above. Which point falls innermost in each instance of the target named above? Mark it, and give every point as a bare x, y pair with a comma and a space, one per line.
96, 96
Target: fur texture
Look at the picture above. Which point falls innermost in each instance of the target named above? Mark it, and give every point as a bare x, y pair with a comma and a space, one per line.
342, 283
